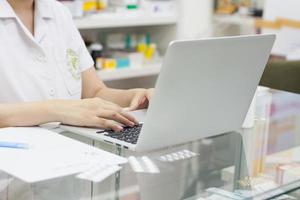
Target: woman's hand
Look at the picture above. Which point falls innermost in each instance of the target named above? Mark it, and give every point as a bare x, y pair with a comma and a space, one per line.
141, 99
94, 112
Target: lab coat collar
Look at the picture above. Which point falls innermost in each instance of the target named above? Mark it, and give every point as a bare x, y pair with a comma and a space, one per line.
6, 10
43, 9
43, 12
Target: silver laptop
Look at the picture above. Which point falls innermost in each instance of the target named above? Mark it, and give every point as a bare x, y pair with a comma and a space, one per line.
204, 89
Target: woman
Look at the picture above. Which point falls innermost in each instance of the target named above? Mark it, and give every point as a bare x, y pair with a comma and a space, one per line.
47, 74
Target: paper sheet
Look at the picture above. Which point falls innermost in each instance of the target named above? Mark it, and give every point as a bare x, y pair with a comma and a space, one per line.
287, 43
282, 9
50, 155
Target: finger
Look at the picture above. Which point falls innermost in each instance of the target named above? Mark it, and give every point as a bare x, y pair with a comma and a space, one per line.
127, 109
111, 107
107, 124
144, 103
118, 117
129, 117
135, 102
111, 112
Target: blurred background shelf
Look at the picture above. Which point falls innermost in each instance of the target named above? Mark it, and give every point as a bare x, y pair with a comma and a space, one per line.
233, 24
114, 20
127, 73
234, 19
153, 22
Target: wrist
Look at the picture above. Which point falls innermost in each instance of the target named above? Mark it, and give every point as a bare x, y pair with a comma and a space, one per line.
53, 109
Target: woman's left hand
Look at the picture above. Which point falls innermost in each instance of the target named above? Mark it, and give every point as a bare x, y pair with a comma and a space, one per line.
141, 99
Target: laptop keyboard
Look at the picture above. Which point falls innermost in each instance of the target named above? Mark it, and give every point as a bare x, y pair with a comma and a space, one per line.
129, 134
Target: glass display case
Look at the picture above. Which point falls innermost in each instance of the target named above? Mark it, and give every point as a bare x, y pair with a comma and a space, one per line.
260, 162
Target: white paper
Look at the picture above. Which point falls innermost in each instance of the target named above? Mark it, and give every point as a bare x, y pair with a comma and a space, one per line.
50, 155
287, 43
282, 9
287, 38
294, 55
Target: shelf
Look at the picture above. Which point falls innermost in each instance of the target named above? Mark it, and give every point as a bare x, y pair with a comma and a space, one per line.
235, 19
114, 20
127, 73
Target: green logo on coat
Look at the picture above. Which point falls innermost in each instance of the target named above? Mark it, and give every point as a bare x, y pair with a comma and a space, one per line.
73, 63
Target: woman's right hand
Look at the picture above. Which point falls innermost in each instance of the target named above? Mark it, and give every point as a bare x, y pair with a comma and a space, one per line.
94, 112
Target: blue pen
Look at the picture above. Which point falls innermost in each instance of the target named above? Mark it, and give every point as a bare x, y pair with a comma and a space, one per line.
13, 145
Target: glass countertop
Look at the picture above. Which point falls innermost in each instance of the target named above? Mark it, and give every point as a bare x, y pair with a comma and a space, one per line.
261, 161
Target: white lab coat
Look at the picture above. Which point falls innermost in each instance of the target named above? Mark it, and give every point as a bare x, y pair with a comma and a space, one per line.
45, 66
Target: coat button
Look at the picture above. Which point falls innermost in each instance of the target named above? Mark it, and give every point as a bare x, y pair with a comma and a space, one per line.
52, 92
41, 58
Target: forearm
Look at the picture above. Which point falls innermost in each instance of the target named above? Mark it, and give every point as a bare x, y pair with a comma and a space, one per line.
93, 86
27, 114
120, 97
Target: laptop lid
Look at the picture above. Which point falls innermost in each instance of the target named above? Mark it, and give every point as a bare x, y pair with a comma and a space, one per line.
204, 89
